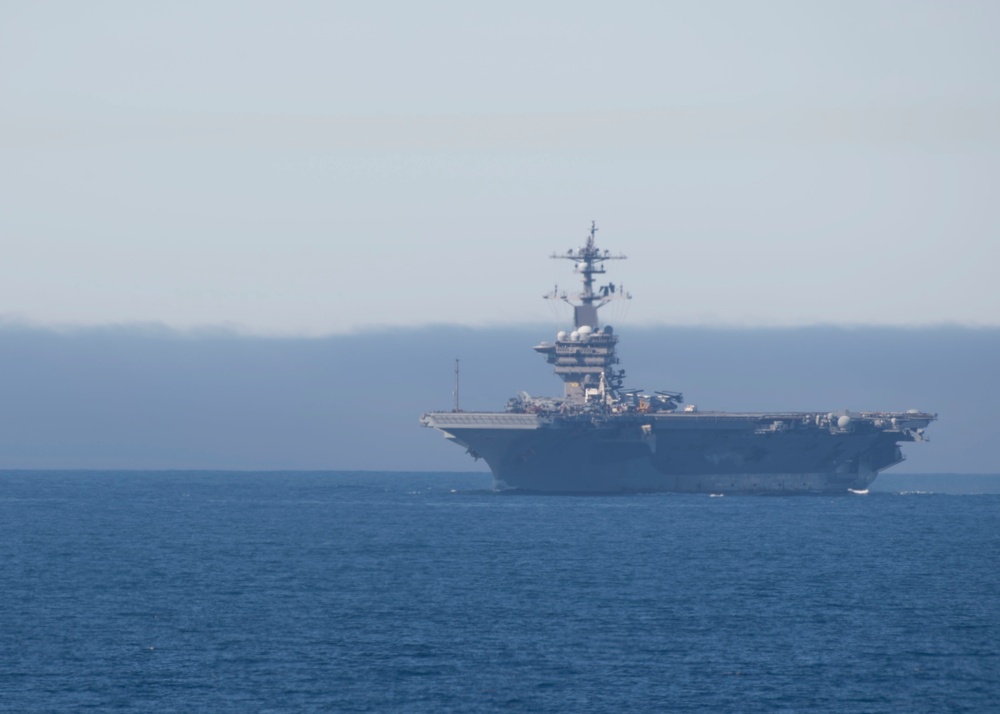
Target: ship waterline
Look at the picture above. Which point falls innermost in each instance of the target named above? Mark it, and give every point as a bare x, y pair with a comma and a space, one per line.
600, 437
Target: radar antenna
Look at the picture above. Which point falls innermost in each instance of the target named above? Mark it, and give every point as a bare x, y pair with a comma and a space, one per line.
589, 261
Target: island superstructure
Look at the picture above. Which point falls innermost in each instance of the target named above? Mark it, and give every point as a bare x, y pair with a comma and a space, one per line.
601, 437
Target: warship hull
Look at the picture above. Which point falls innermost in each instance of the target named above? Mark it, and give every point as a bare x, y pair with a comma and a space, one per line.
781, 453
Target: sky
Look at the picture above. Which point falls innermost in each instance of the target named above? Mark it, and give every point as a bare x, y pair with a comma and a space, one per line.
320, 168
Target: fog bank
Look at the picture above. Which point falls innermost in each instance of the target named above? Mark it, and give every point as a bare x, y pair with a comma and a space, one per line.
140, 398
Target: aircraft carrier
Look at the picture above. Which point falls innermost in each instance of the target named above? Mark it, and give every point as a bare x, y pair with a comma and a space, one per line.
600, 437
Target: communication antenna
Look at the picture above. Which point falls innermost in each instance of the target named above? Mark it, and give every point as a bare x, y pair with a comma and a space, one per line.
456, 386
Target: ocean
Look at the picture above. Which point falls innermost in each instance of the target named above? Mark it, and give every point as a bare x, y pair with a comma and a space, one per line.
421, 592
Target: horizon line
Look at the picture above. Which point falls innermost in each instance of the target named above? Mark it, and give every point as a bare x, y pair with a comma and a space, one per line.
154, 328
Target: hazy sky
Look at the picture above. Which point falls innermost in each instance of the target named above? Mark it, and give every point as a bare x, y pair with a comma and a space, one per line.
314, 167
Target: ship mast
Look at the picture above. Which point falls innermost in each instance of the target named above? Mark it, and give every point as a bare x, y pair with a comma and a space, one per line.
589, 262
584, 358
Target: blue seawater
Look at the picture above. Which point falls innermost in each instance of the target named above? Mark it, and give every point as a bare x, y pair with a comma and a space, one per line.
401, 592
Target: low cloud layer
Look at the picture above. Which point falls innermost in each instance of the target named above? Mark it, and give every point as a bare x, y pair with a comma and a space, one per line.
138, 398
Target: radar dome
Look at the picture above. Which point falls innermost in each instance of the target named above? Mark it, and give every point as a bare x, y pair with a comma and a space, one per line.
844, 421
561, 335
574, 335
585, 330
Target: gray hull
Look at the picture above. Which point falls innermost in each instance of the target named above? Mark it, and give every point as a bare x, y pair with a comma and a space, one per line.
680, 452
